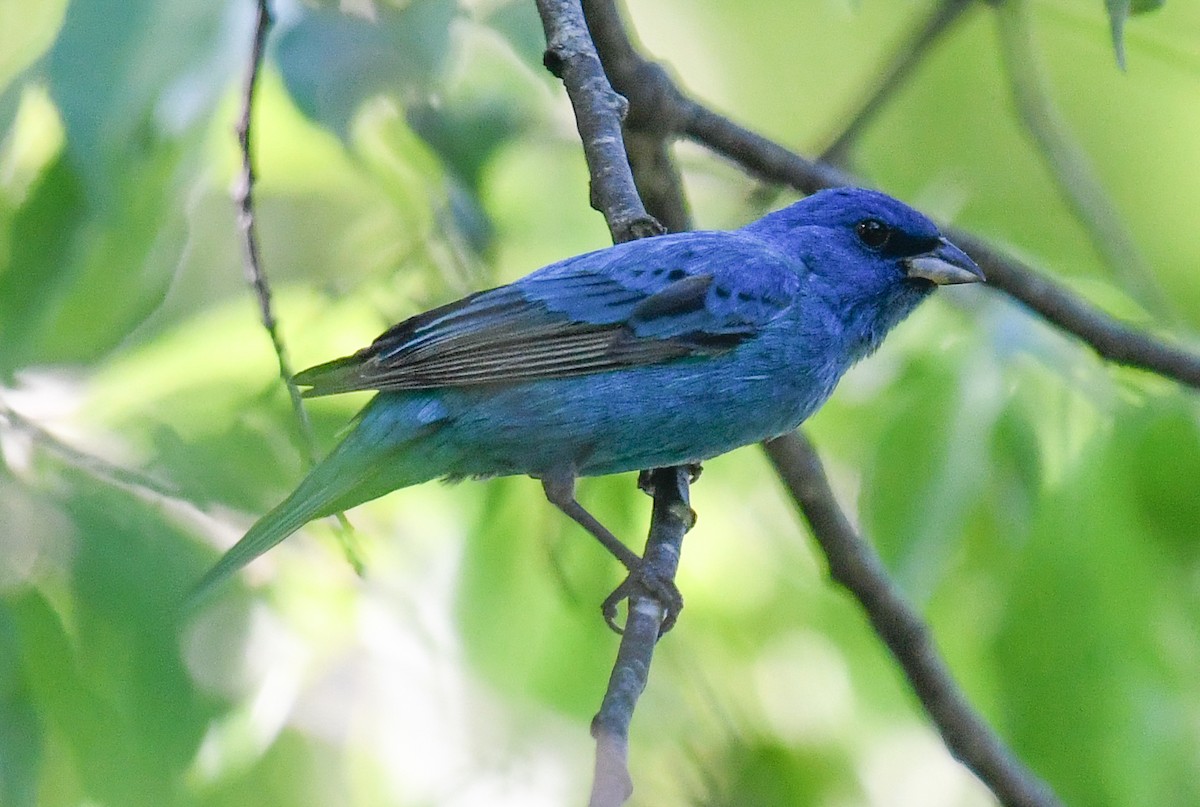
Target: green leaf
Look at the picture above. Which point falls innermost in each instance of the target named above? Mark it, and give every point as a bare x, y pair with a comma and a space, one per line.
35, 274
20, 724
1162, 443
85, 271
1118, 12
125, 73
21, 45
102, 661
760, 771
1085, 671
941, 419
520, 26
332, 62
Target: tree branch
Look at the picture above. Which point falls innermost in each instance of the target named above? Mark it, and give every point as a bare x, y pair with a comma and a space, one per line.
670, 519
648, 134
571, 55
855, 566
853, 563
1111, 339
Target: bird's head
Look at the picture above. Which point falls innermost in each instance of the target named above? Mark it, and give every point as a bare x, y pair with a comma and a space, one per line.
871, 258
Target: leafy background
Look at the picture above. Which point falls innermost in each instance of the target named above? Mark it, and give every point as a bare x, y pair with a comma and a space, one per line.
1040, 507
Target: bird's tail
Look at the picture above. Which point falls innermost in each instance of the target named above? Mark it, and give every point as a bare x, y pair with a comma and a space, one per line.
366, 465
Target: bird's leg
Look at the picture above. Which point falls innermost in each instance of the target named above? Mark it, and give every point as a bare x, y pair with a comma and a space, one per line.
560, 491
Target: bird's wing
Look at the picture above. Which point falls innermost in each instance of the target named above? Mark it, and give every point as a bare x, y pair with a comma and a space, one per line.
639, 303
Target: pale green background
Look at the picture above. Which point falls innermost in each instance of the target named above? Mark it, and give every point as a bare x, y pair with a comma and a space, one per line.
1039, 507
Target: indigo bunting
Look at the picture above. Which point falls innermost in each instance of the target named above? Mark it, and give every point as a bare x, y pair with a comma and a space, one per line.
652, 353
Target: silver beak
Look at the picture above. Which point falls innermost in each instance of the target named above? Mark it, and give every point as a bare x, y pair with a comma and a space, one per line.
945, 265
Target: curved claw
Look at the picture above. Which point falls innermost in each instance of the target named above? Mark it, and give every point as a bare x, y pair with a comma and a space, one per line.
643, 582
609, 607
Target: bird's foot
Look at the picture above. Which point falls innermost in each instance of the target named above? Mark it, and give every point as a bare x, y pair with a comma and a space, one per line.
645, 480
644, 582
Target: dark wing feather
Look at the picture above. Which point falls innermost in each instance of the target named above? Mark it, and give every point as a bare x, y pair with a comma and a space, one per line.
601, 311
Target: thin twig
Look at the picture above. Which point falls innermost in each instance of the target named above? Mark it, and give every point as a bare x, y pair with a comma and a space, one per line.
855, 565
1066, 161
252, 263
905, 58
571, 55
257, 277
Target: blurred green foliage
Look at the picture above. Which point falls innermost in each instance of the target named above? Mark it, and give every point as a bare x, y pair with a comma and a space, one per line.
1041, 508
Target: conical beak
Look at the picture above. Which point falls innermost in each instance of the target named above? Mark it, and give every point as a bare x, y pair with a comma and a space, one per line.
945, 265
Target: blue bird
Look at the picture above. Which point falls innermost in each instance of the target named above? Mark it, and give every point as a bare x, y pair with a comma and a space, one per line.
653, 353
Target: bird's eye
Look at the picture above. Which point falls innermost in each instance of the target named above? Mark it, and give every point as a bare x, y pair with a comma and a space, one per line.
873, 232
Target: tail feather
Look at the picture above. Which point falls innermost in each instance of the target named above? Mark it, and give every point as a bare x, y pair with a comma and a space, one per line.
365, 466
311, 500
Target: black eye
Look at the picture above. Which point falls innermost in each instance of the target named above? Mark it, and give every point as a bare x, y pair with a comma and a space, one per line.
873, 232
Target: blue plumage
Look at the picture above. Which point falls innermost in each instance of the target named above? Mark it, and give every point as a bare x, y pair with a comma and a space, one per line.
664, 351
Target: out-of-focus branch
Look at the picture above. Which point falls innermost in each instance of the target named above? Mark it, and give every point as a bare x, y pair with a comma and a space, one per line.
252, 264
90, 464
571, 55
854, 564
1066, 161
904, 60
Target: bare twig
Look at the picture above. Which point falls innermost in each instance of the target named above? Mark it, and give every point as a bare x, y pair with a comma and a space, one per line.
244, 197
571, 55
904, 60
256, 276
854, 565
